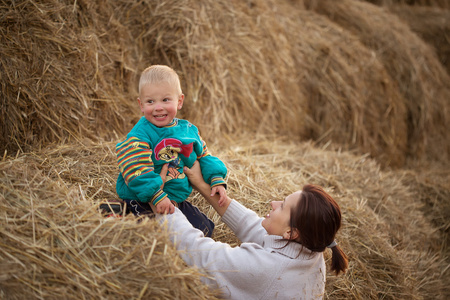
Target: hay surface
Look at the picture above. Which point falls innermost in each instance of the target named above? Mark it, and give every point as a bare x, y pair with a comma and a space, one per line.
64, 69
55, 242
51, 223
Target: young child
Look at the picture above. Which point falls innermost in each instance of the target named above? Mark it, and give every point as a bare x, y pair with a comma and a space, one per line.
160, 138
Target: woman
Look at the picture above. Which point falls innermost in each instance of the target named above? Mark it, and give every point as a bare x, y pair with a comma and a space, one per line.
281, 255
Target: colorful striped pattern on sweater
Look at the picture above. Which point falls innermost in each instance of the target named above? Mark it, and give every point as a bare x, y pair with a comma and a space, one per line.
205, 151
134, 157
217, 180
158, 197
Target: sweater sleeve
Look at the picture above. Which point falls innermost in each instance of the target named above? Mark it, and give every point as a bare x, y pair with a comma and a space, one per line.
213, 169
134, 157
245, 223
235, 270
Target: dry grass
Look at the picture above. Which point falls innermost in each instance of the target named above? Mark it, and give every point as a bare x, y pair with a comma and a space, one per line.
62, 72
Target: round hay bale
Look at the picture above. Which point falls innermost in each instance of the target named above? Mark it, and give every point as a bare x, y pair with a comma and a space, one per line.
411, 63
431, 3
432, 24
62, 73
394, 250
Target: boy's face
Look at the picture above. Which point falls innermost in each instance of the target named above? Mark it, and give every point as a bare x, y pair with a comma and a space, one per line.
160, 102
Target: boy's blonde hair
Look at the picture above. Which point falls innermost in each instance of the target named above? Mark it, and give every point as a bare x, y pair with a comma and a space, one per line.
159, 73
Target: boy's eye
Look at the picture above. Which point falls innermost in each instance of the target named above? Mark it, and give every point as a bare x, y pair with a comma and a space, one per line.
166, 99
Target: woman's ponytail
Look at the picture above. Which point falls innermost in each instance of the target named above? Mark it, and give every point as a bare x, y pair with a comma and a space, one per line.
339, 261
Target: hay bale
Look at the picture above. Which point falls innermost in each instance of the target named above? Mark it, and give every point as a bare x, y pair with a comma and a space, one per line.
430, 3
411, 63
392, 246
432, 24
432, 186
62, 73
54, 241
275, 69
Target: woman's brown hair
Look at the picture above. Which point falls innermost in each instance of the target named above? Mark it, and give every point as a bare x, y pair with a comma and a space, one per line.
317, 218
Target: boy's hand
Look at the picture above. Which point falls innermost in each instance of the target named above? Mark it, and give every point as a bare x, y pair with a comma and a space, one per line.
165, 207
220, 189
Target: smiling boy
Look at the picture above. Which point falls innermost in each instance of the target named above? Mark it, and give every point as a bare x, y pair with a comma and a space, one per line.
158, 139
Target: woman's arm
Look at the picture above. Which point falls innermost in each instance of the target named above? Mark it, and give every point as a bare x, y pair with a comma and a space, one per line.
245, 223
235, 270
195, 177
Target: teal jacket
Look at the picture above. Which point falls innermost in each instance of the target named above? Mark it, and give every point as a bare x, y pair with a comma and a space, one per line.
148, 147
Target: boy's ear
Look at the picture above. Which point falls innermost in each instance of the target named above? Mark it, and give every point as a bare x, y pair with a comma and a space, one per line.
180, 101
140, 104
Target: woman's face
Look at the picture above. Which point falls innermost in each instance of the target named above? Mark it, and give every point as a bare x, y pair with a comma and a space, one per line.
277, 220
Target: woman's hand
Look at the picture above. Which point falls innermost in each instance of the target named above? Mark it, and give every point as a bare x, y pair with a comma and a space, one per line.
194, 175
163, 173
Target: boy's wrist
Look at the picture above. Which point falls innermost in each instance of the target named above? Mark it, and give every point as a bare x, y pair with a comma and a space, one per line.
217, 180
159, 196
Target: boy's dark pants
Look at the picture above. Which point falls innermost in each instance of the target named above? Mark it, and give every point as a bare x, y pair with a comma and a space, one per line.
198, 219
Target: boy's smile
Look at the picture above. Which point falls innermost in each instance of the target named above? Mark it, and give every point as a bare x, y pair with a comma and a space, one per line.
160, 102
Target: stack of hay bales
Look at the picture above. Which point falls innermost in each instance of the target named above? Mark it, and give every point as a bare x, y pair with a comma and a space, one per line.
261, 78
298, 73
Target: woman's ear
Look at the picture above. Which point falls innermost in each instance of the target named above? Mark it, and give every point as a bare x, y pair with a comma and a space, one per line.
291, 234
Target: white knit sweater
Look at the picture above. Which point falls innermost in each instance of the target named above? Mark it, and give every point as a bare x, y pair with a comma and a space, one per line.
258, 269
